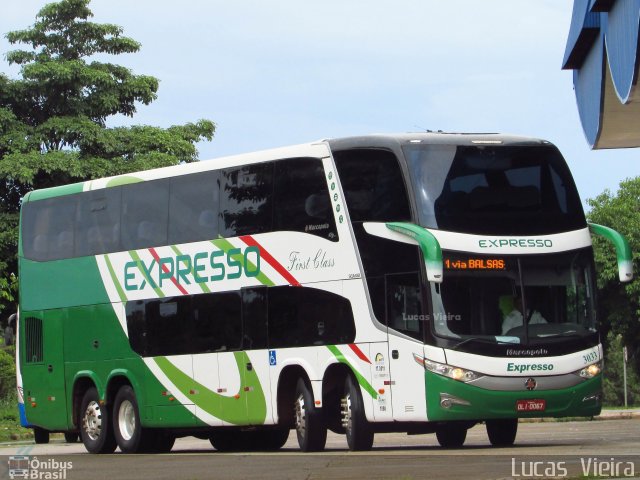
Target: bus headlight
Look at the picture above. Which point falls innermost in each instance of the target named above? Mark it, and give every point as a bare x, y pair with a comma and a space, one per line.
456, 373
591, 371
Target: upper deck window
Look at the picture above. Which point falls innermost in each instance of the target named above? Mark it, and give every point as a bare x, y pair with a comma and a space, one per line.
508, 190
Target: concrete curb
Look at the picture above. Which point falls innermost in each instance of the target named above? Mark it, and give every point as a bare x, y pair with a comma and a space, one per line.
605, 415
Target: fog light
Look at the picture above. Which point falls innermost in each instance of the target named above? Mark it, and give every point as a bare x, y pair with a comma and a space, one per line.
447, 401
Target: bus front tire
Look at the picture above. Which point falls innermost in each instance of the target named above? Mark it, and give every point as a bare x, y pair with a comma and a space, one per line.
127, 429
358, 430
311, 429
40, 435
95, 431
502, 433
451, 435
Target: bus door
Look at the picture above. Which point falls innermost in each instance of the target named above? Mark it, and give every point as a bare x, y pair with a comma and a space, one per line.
43, 367
237, 332
405, 323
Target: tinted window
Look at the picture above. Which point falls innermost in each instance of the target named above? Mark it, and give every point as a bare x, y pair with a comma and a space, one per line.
145, 214
246, 199
48, 228
193, 208
98, 226
188, 324
404, 304
301, 198
305, 316
373, 185
494, 190
160, 327
254, 318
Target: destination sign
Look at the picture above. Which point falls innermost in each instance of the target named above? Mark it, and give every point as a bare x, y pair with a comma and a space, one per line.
474, 263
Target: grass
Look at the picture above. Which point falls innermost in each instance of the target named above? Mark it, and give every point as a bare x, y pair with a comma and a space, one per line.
10, 429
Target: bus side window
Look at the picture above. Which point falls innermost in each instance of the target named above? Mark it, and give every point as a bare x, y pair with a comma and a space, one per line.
373, 185
301, 198
140, 203
246, 195
97, 228
49, 227
193, 208
404, 304
254, 318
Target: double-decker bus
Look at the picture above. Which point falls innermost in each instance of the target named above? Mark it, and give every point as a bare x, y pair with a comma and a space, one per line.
417, 283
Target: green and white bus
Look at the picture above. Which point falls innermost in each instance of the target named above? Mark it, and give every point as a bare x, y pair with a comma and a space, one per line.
417, 283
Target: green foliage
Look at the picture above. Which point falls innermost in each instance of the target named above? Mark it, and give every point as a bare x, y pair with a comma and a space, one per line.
7, 373
613, 375
53, 118
619, 303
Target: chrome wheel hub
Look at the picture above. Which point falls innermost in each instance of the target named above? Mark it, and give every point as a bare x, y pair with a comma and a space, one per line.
126, 420
92, 420
300, 415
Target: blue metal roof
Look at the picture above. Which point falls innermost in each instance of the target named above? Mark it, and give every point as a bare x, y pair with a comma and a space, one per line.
602, 50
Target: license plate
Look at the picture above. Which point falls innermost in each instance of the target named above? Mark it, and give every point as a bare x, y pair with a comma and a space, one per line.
531, 405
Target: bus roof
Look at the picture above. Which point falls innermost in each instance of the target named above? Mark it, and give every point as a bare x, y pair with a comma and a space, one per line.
316, 149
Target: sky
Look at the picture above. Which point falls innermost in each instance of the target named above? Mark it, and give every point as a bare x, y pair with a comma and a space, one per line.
278, 73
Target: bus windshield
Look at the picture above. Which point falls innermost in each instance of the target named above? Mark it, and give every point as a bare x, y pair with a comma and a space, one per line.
532, 299
500, 190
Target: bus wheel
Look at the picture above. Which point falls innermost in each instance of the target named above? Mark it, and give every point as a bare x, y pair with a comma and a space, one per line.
271, 440
95, 431
160, 442
71, 437
451, 435
359, 432
228, 440
40, 435
126, 421
310, 427
502, 433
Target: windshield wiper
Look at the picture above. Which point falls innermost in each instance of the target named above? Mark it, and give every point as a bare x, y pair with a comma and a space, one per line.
493, 341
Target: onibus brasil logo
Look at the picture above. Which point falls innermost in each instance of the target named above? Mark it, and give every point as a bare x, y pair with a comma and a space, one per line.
26, 466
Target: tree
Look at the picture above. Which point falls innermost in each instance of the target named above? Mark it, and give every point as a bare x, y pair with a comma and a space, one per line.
53, 119
613, 386
619, 304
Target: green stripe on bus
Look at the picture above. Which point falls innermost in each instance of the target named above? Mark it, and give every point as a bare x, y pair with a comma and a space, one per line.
203, 285
225, 245
114, 279
361, 380
136, 258
249, 400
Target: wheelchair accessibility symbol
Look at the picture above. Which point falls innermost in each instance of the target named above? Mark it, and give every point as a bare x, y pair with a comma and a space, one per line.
272, 358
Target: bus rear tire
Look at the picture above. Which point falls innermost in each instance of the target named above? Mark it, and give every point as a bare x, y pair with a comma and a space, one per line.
71, 437
40, 435
502, 433
272, 439
451, 435
95, 429
357, 428
127, 429
160, 442
311, 429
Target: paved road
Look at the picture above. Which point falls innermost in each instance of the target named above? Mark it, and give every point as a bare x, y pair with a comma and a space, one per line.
562, 447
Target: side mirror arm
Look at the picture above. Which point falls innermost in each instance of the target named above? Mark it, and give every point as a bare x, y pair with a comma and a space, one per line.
429, 245
623, 250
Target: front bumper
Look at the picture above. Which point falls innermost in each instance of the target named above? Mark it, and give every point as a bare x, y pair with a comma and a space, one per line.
468, 402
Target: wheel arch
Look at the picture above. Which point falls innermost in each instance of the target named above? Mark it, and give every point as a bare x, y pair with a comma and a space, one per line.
286, 392
332, 388
83, 381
